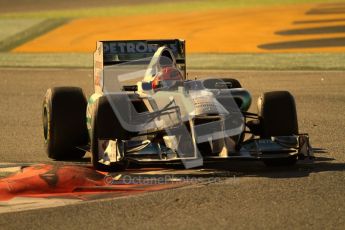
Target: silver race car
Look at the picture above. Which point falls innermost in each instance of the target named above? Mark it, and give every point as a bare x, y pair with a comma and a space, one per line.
145, 110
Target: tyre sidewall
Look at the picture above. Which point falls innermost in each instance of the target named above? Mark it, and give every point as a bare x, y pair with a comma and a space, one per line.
63, 132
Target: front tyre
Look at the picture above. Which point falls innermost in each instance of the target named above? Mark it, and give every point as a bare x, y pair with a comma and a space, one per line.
278, 117
106, 126
64, 123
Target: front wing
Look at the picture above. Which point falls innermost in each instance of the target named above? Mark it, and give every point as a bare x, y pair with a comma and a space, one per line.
255, 149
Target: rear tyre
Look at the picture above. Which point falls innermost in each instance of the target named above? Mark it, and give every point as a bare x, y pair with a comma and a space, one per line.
64, 123
106, 126
278, 117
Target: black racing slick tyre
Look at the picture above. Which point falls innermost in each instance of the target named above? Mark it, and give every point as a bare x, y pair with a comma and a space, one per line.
214, 83
278, 117
64, 123
106, 126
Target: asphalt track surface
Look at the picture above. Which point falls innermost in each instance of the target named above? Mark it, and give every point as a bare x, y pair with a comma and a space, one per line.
308, 195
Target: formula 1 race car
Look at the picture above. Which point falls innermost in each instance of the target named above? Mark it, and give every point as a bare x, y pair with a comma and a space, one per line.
145, 110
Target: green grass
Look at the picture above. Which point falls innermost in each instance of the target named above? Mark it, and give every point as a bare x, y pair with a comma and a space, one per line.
156, 8
29, 32
319, 61
288, 61
10, 27
79, 60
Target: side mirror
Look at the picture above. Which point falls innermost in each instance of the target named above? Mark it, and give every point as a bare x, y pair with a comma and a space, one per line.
130, 88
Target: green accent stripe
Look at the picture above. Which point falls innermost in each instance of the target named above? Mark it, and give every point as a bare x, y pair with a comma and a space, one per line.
94, 97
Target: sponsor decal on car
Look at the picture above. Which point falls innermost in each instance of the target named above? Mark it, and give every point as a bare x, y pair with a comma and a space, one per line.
133, 47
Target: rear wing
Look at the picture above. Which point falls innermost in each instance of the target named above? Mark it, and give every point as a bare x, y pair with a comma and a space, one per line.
116, 52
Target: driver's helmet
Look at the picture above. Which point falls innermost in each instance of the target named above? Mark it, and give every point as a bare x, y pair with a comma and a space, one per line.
169, 78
